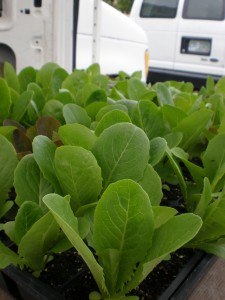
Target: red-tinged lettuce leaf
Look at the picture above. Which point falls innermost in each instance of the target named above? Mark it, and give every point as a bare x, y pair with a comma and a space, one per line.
46, 125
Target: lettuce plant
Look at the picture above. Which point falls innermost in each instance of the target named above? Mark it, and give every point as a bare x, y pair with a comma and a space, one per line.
211, 208
84, 165
130, 237
36, 235
9, 161
96, 140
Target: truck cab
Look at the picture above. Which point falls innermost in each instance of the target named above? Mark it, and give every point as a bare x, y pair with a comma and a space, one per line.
186, 38
36, 32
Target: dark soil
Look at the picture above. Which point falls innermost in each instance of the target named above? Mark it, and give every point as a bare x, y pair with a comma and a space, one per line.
70, 276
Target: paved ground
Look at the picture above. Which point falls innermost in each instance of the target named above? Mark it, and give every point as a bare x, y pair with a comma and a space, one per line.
4, 296
211, 286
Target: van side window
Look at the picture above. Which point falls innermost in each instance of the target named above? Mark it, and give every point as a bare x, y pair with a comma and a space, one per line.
204, 9
159, 9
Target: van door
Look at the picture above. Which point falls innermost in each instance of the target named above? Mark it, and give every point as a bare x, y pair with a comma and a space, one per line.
158, 19
35, 32
201, 37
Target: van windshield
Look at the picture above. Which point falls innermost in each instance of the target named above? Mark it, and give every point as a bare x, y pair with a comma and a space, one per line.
204, 10
159, 9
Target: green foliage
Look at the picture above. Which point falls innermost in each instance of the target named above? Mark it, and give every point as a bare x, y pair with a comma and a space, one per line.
35, 234
99, 152
8, 161
126, 242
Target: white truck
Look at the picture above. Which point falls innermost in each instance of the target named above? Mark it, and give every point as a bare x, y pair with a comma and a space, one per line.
73, 34
186, 38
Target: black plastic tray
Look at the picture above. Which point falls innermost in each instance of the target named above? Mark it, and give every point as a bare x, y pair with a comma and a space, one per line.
23, 286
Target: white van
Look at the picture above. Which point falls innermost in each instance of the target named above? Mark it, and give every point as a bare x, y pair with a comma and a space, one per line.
33, 32
186, 37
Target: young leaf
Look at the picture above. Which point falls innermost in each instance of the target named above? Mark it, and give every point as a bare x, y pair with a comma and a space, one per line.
151, 183
44, 75
21, 142
173, 115
112, 117
39, 240
93, 109
96, 96
44, 153
185, 101
205, 199
131, 106
26, 76
104, 110
63, 214
213, 222
7, 132
75, 81
20, 106
8, 257
178, 172
79, 174
58, 76
38, 96
93, 70
196, 172
173, 139
54, 108
29, 183
73, 113
77, 135
5, 102
214, 161
122, 151
151, 119
136, 89
123, 229
192, 127
162, 214
163, 95
157, 150
220, 87
64, 96
9, 228
215, 247
169, 237
11, 77
6, 207
8, 162
27, 215
46, 126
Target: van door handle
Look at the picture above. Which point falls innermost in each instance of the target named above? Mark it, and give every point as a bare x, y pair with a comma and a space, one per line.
214, 59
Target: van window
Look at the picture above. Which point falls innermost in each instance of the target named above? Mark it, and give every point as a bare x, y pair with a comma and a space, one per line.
204, 9
159, 8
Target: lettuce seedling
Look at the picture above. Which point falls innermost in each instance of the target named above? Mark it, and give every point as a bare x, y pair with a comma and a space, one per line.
37, 236
211, 207
130, 237
8, 162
